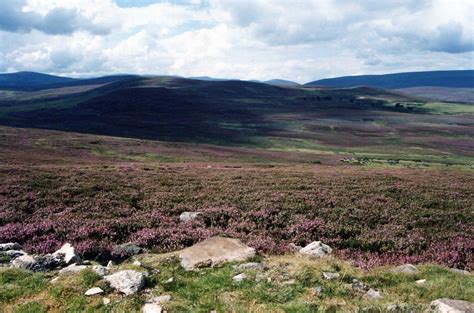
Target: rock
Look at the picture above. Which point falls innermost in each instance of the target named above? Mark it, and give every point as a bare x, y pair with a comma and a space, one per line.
259, 278
420, 281
316, 249
46, 263
23, 261
100, 270
68, 254
399, 308
93, 291
295, 248
289, 282
152, 308
72, 269
330, 276
373, 294
459, 271
248, 266
239, 278
9, 246
137, 263
170, 280
105, 301
189, 216
160, 299
359, 286
54, 280
12, 254
121, 252
405, 269
452, 306
318, 290
110, 264
214, 251
127, 281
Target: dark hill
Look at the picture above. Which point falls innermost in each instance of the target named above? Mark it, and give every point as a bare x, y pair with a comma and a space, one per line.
456, 79
24, 80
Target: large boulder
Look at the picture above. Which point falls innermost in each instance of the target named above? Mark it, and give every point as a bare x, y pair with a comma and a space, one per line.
72, 269
44, 263
316, 249
127, 281
126, 250
214, 251
452, 306
68, 254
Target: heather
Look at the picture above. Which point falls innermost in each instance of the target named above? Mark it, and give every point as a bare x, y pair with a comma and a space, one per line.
370, 215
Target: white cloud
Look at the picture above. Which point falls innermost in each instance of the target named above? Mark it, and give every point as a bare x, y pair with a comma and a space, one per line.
299, 40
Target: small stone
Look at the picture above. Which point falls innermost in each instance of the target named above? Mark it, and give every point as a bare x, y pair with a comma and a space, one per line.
127, 281
100, 270
399, 308
170, 280
420, 282
72, 269
239, 278
137, 263
452, 306
316, 249
289, 282
68, 254
110, 264
9, 246
160, 299
189, 216
93, 291
373, 294
248, 266
54, 280
105, 301
405, 269
152, 308
23, 261
359, 286
459, 271
259, 278
330, 275
318, 290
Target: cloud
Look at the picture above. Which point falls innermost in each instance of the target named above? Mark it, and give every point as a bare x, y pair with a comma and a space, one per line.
56, 21
260, 39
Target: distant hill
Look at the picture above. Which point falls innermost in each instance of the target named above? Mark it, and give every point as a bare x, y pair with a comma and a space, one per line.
441, 93
452, 79
31, 79
281, 82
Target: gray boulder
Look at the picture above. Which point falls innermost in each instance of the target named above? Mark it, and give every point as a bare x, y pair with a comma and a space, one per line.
452, 306
127, 281
72, 269
123, 251
316, 249
214, 251
373, 294
239, 278
9, 246
405, 269
23, 261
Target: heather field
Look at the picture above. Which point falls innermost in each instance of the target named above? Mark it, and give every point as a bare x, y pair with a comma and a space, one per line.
98, 191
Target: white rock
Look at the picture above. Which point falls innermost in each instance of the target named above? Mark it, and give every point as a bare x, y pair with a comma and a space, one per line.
137, 263
69, 254
170, 280
72, 269
316, 249
457, 270
9, 246
127, 281
420, 281
452, 306
373, 294
188, 216
152, 308
100, 270
23, 261
405, 269
54, 280
239, 278
110, 264
330, 275
105, 301
93, 291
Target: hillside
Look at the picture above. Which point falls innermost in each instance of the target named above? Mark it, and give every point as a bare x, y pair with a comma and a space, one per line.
30, 79
454, 79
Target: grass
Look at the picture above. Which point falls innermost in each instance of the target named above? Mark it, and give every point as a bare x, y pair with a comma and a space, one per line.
287, 285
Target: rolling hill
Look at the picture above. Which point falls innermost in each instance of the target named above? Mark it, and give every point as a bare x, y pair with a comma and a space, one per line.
453, 79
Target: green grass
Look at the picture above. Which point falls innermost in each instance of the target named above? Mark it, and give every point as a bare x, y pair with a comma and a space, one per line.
447, 108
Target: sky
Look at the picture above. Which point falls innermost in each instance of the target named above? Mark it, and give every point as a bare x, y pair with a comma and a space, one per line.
300, 40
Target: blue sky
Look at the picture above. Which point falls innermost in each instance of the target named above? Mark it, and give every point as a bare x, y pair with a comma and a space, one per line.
300, 40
